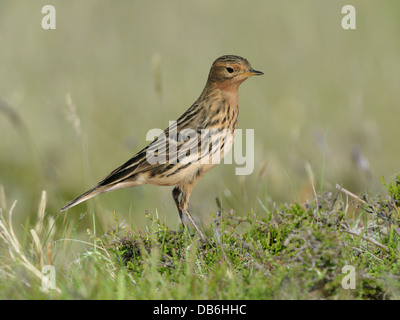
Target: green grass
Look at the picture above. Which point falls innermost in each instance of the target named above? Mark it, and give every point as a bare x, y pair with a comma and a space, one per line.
296, 251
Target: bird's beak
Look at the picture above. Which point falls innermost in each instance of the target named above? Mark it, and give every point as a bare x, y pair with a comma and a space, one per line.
253, 72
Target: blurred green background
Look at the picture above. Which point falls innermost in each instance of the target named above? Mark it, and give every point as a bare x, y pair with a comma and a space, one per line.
329, 97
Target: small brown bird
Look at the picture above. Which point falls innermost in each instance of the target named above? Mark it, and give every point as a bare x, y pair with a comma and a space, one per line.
164, 162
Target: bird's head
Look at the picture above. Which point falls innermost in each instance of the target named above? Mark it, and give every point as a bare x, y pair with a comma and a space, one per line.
230, 71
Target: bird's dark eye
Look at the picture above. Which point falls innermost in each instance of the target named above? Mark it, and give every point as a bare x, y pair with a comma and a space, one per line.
229, 69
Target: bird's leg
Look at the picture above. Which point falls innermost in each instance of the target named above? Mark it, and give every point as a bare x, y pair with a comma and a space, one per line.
201, 234
183, 207
176, 192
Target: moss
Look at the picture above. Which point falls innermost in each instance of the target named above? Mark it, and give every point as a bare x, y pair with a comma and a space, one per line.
295, 251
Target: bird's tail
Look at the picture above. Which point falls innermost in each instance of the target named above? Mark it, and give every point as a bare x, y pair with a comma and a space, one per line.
83, 197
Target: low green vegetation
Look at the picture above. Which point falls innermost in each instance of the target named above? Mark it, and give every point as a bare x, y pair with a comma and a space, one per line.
295, 251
